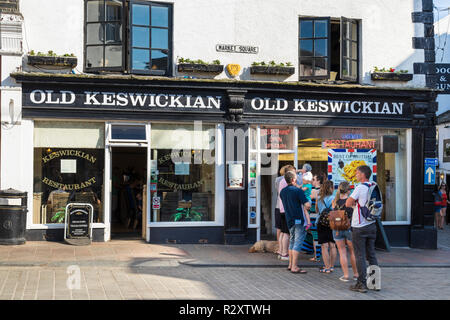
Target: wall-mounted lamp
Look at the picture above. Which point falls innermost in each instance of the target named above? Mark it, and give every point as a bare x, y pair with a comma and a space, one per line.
442, 176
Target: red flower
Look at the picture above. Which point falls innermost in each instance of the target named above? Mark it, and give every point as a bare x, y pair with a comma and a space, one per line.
391, 70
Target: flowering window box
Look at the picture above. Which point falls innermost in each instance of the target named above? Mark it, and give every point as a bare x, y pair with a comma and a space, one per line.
272, 70
195, 67
391, 76
52, 61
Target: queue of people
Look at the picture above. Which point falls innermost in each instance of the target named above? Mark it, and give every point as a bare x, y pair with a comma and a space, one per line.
304, 203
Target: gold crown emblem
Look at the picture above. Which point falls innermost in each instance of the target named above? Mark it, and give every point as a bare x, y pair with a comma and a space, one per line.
233, 69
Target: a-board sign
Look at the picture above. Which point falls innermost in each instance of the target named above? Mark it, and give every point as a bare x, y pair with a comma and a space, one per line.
78, 223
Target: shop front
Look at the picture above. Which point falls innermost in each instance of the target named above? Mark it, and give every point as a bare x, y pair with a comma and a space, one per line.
189, 161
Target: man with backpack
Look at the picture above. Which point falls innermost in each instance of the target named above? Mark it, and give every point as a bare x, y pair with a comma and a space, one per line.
364, 229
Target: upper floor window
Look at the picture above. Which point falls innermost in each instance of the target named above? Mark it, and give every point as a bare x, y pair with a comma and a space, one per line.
128, 36
328, 48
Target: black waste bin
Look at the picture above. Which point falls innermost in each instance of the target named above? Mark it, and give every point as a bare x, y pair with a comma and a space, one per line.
13, 217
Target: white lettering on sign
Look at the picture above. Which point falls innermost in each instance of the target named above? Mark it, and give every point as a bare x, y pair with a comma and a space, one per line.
327, 106
122, 99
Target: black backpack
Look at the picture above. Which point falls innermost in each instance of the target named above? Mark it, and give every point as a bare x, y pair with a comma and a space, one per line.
323, 218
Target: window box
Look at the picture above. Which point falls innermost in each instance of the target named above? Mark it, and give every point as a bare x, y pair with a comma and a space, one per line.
52, 61
391, 76
272, 70
195, 67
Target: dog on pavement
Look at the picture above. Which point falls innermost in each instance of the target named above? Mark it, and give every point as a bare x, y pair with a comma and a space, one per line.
264, 246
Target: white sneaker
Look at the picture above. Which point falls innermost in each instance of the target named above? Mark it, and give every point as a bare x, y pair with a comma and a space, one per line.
284, 258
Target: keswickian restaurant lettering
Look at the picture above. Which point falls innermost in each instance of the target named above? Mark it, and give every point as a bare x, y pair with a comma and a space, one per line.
64, 155
73, 153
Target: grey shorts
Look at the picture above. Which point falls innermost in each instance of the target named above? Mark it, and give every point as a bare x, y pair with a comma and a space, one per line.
342, 235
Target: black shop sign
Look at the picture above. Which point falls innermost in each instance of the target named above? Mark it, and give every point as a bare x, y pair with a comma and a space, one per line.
443, 77
78, 223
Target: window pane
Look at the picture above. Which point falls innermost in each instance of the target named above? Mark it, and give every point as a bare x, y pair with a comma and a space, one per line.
160, 16
320, 28
345, 67
354, 72
113, 56
94, 33
345, 48
141, 14
354, 31
94, 57
320, 67
141, 37
185, 180
354, 50
113, 10
159, 60
306, 29
123, 132
345, 30
141, 59
160, 38
306, 67
306, 48
113, 32
95, 11
67, 169
320, 47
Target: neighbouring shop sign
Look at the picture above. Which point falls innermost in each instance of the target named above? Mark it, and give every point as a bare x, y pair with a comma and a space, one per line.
235, 48
446, 150
443, 77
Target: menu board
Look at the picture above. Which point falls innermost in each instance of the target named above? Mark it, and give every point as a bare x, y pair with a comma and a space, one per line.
78, 223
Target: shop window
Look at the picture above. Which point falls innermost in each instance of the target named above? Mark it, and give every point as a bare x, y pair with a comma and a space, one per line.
328, 49
183, 172
336, 152
276, 138
127, 36
67, 169
128, 132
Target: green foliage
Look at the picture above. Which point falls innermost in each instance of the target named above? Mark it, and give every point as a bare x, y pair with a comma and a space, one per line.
198, 61
187, 214
271, 63
50, 53
59, 215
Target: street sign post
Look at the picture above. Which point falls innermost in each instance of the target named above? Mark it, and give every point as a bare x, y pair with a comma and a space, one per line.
430, 175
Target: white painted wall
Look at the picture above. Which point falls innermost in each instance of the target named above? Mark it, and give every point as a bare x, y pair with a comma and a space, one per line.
272, 25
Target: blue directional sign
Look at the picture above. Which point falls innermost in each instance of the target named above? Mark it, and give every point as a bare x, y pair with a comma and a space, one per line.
431, 162
430, 174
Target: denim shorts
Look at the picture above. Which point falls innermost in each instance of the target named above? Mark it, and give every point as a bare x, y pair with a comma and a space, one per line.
438, 208
297, 235
342, 235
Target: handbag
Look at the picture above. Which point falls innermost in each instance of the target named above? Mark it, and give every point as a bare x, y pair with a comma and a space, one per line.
338, 220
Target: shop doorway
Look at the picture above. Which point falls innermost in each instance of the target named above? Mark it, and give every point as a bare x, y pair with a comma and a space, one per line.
271, 163
128, 192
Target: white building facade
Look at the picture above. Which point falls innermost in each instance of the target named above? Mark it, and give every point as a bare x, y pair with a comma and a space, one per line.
300, 81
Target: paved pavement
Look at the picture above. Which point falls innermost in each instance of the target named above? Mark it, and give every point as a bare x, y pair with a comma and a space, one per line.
137, 270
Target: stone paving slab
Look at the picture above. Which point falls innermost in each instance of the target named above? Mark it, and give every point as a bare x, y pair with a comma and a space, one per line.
188, 283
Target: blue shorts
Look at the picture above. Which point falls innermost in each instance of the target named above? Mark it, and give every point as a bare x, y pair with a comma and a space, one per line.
438, 208
297, 235
342, 235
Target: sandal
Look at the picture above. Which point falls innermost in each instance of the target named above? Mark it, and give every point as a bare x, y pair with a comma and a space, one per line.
331, 269
299, 271
314, 259
344, 279
324, 270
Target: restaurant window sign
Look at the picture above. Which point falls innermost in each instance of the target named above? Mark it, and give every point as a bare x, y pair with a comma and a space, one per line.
276, 138
67, 169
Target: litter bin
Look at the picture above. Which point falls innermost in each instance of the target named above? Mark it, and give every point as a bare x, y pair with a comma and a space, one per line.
13, 216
